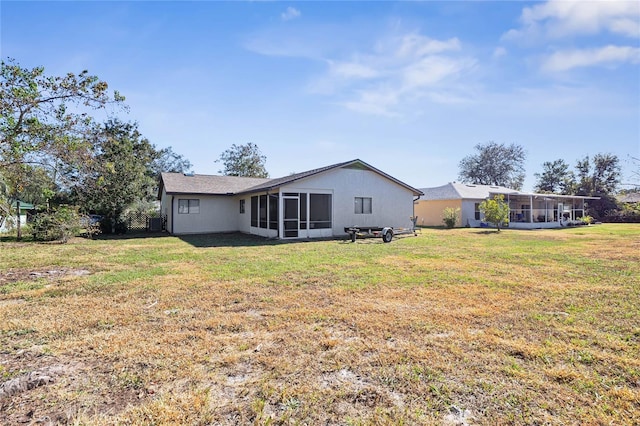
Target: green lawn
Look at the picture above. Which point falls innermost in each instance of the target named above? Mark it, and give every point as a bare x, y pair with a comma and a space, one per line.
516, 327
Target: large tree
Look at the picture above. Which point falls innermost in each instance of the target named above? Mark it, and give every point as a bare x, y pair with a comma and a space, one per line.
555, 178
44, 121
494, 164
169, 161
46, 116
598, 176
120, 172
243, 160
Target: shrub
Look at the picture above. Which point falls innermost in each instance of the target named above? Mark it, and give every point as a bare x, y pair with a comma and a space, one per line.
59, 225
450, 216
586, 220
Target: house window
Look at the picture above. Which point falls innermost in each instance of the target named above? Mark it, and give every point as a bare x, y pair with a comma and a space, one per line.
188, 206
319, 211
254, 211
363, 205
241, 206
477, 211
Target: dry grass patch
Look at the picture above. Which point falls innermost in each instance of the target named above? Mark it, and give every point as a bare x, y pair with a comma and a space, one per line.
451, 326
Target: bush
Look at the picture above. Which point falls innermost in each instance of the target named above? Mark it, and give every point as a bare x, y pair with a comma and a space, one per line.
59, 225
450, 216
587, 220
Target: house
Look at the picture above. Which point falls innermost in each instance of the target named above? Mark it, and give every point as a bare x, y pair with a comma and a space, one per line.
311, 204
527, 210
8, 223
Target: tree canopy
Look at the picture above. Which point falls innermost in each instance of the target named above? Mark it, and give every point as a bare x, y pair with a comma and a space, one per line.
556, 177
494, 164
244, 160
44, 119
52, 147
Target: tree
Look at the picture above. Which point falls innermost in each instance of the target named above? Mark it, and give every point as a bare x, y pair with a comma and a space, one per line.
495, 211
43, 119
169, 161
119, 173
36, 120
244, 160
555, 178
494, 164
599, 176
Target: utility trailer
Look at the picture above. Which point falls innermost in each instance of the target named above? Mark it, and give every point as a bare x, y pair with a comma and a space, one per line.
386, 232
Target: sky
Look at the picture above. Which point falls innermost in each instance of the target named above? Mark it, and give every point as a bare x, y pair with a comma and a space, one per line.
408, 87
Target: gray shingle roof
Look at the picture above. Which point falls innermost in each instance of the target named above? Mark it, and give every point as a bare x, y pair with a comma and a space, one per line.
178, 183
632, 197
457, 191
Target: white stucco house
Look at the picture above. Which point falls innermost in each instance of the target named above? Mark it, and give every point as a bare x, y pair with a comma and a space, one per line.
312, 204
527, 210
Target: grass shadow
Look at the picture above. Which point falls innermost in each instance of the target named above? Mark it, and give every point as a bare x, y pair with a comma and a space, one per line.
231, 239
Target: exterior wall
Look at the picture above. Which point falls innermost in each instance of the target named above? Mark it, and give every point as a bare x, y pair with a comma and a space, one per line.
217, 214
392, 204
468, 214
429, 212
244, 219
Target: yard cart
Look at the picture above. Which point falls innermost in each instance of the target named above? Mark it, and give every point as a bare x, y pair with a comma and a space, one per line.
386, 232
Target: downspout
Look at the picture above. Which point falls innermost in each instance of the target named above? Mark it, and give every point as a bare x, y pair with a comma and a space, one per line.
172, 212
413, 213
530, 208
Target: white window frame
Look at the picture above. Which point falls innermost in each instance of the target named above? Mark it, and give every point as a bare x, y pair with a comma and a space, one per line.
188, 206
361, 204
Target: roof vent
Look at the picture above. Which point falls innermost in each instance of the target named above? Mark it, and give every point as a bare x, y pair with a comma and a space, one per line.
190, 174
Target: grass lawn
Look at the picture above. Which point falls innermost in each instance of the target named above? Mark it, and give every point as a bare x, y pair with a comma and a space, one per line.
463, 325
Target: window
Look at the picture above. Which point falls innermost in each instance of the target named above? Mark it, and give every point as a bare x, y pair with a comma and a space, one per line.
241, 206
363, 205
477, 210
188, 206
319, 211
254, 212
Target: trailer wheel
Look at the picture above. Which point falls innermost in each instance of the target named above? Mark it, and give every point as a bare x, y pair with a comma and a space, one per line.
386, 237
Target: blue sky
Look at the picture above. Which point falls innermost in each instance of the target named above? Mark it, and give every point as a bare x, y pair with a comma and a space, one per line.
409, 87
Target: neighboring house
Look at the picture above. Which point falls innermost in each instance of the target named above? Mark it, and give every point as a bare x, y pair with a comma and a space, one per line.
630, 198
312, 204
527, 210
9, 223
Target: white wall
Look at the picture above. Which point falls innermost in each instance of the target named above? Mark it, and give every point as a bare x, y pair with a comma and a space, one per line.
392, 204
217, 214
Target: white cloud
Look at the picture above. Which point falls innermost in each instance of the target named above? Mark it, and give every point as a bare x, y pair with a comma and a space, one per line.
290, 13
396, 71
565, 60
499, 52
562, 18
352, 70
